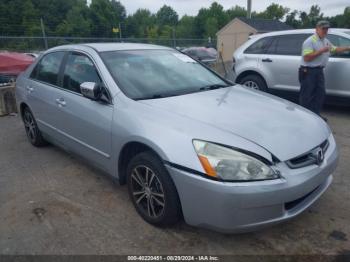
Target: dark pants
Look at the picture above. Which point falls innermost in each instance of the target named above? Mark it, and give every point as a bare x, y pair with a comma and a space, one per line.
312, 90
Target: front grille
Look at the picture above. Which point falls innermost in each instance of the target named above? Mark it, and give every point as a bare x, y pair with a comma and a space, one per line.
308, 158
290, 205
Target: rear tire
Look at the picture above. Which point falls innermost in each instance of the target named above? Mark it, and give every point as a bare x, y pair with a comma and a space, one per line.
33, 133
152, 190
255, 82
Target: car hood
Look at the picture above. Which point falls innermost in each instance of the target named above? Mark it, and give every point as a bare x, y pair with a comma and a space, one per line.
285, 129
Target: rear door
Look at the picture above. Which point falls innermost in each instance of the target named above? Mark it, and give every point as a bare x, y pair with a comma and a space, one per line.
249, 59
41, 88
84, 124
282, 60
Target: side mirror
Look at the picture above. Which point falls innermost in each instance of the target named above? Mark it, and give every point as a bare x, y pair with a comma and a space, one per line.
91, 90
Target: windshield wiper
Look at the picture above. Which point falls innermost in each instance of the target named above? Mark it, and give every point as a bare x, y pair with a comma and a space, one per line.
205, 88
213, 87
150, 97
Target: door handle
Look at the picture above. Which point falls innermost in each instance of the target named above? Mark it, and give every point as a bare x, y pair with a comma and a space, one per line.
29, 89
267, 60
60, 102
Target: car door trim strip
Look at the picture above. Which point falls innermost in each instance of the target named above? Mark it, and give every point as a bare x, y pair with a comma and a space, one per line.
75, 139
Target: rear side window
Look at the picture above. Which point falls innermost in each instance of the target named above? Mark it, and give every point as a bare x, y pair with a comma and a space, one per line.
260, 46
288, 44
48, 68
79, 69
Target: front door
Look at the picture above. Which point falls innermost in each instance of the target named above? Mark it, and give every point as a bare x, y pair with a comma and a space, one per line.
84, 124
338, 68
282, 61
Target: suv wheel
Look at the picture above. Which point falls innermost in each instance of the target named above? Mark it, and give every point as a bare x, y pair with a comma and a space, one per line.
32, 130
254, 82
152, 190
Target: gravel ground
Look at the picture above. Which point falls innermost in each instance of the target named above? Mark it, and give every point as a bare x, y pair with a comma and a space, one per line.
52, 203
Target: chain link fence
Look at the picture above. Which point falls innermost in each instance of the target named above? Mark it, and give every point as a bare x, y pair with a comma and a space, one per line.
34, 44
30, 44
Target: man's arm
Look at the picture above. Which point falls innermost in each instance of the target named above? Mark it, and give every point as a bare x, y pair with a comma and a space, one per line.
309, 54
341, 49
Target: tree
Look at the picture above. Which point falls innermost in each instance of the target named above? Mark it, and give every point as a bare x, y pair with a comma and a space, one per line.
217, 11
11, 22
236, 11
167, 16
53, 12
166, 32
76, 23
119, 10
211, 27
346, 17
291, 19
200, 21
185, 27
304, 19
210, 19
310, 19
315, 15
76, 18
138, 24
30, 19
274, 11
104, 16
152, 32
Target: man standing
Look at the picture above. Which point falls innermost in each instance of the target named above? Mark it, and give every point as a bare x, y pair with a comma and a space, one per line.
315, 54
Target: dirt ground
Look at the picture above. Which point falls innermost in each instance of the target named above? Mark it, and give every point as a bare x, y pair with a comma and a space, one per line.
52, 203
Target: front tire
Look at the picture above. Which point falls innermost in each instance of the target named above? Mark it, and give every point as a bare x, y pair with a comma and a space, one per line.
254, 82
152, 190
33, 133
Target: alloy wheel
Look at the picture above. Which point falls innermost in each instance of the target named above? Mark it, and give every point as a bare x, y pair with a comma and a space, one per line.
251, 84
147, 191
30, 126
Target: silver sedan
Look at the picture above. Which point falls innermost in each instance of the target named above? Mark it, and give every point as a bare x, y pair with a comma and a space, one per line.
186, 142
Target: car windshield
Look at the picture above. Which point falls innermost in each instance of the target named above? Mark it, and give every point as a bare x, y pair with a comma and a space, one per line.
147, 74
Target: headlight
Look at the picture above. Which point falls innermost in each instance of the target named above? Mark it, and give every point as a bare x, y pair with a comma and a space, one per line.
230, 165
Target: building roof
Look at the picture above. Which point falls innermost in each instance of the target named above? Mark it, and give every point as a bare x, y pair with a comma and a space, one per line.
259, 24
265, 25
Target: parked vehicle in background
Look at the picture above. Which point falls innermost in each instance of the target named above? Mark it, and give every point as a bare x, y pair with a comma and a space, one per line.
205, 55
34, 55
270, 62
12, 64
185, 141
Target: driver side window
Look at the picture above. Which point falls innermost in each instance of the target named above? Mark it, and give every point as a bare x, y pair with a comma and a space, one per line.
79, 69
340, 41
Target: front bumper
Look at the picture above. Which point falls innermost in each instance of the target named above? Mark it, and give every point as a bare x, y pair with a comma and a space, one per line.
248, 206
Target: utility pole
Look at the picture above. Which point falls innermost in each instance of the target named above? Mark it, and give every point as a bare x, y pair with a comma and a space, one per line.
44, 35
120, 31
249, 9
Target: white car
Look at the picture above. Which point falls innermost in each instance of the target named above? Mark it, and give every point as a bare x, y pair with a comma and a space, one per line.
270, 62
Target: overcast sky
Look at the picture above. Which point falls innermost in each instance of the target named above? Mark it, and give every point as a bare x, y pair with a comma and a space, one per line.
191, 7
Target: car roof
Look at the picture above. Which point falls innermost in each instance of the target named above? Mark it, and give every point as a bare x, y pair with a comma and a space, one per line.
300, 31
104, 47
196, 48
